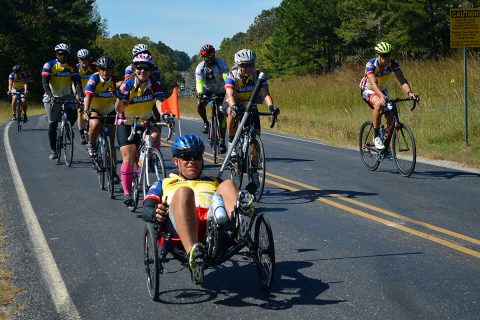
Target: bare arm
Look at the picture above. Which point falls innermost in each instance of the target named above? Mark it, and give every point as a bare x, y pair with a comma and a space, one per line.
119, 106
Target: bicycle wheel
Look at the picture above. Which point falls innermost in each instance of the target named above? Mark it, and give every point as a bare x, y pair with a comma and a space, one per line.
67, 140
151, 261
265, 251
154, 169
257, 165
109, 165
214, 139
404, 150
100, 163
370, 155
235, 166
18, 112
59, 141
136, 187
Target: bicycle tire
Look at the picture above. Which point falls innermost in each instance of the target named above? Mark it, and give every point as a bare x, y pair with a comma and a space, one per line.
109, 164
18, 112
154, 169
136, 187
67, 140
235, 166
214, 136
264, 252
99, 163
404, 152
151, 261
59, 141
260, 167
368, 152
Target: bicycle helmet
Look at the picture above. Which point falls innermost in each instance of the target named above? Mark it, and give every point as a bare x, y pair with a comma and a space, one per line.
383, 48
207, 50
188, 144
245, 56
16, 68
105, 62
139, 48
62, 47
143, 58
83, 54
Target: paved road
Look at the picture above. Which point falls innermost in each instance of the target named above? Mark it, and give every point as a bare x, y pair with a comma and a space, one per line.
350, 244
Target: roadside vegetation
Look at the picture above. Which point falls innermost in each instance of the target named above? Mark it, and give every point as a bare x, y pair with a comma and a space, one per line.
7, 291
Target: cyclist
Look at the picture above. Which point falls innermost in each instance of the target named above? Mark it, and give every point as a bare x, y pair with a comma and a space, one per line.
85, 69
141, 97
100, 100
186, 197
18, 82
130, 69
373, 87
239, 88
210, 77
58, 76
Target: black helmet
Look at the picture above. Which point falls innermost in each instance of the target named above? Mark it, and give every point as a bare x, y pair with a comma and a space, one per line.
188, 144
105, 62
16, 68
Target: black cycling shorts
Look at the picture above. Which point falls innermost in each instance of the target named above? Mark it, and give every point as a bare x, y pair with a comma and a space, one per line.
123, 132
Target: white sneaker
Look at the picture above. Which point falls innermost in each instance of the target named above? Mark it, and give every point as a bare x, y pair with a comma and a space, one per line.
378, 143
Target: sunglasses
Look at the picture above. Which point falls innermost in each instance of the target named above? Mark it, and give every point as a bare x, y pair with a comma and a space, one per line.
188, 158
245, 65
144, 68
104, 69
385, 55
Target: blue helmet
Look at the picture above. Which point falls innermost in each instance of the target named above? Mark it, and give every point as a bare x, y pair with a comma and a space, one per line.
188, 144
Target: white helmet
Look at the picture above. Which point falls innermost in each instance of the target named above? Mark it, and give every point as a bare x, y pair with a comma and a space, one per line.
83, 54
139, 48
245, 56
62, 47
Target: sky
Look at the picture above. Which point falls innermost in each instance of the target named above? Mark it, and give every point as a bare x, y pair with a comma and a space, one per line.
183, 25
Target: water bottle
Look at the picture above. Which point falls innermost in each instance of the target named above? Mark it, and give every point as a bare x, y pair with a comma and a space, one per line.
217, 210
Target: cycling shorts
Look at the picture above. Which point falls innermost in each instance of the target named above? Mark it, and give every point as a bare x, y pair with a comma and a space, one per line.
368, 94
111, 120
254, 118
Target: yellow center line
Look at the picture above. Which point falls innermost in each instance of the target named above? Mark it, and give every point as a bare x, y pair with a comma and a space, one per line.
380, 210
386, 222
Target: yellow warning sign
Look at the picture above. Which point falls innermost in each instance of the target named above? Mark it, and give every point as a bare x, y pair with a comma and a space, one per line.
465, 28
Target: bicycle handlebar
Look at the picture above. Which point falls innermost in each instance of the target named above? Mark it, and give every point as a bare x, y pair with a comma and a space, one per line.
415, 101
169, 123
274, 117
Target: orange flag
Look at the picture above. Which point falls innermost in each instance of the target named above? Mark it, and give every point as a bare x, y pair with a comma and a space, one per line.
170, 105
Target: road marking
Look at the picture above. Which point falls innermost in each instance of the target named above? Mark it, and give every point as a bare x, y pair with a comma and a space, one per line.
380, 210
63, 303
386, 222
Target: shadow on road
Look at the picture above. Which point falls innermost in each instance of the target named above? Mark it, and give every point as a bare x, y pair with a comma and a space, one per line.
286, 160
359, 257
305, 196
237, 286
444, 174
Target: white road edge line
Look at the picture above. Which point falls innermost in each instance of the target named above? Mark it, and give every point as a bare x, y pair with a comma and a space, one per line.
58, 290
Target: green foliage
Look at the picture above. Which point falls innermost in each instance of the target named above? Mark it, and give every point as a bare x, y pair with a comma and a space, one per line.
30, 29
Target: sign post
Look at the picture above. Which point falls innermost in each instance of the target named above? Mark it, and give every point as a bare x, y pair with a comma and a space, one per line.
465, 33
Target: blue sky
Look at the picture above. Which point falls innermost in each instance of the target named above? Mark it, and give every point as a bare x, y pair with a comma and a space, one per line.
183, 25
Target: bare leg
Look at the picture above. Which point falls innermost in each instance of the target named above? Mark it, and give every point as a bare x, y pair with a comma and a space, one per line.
228, 190
183, 207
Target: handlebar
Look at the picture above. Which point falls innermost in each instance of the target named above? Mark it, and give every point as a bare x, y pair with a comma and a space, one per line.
169, 123
274, 117
414, 105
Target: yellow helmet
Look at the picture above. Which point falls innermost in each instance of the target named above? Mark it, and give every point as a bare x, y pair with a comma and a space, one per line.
383, 48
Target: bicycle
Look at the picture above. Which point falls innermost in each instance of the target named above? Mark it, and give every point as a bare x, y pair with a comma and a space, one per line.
214, 136
18, 108
249, 230
149, 166
403, 142
245, 142
64, 142
104, 161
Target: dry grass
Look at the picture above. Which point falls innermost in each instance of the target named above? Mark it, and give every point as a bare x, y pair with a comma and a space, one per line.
329, 107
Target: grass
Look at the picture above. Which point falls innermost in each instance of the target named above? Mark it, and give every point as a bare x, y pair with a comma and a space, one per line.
329, 107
